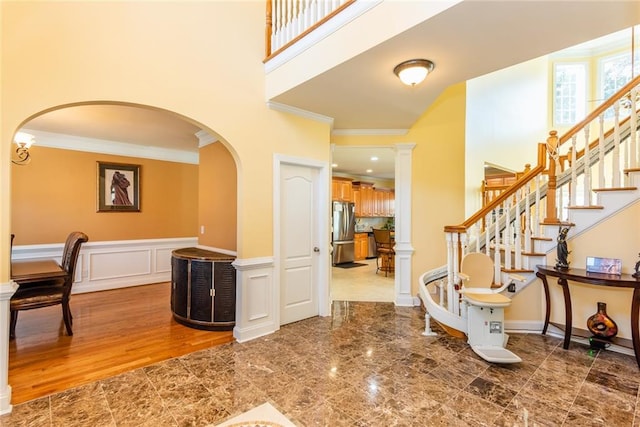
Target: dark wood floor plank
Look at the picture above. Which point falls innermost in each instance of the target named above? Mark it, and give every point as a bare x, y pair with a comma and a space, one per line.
113, 332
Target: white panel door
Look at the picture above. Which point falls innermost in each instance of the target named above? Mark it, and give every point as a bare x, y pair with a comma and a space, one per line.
298, 243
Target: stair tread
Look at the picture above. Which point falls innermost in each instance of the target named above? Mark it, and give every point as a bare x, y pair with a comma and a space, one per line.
586, 207
547, 239
533, 253
516, 270
615, 189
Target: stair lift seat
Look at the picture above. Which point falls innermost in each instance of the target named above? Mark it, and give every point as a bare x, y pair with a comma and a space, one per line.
485, 311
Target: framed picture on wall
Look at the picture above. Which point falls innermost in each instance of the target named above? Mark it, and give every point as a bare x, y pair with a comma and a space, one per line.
118, 187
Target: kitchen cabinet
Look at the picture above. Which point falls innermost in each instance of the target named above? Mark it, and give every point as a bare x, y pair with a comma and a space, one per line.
364, 204
357, 200
341, 189
361, 246
384, 201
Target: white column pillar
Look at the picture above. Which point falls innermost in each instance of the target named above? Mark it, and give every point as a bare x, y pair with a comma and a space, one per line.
6, 291
403, 247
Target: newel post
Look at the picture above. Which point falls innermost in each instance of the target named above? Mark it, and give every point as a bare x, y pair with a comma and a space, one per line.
552, 151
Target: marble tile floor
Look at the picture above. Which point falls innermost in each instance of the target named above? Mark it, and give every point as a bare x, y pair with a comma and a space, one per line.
366, 365
362, 283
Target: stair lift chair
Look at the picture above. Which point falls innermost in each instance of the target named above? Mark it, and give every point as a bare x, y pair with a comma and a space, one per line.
485, 309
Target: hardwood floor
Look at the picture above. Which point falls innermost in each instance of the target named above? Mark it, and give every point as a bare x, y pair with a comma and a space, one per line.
114, 331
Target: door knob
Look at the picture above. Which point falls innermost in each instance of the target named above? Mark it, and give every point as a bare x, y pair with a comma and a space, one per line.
316, 249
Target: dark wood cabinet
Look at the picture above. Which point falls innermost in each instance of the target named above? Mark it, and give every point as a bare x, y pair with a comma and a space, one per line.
203, 289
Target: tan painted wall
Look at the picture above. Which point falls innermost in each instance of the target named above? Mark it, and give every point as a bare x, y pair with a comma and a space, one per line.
56, 194
438, 176
96, 51
618, 237
217, 198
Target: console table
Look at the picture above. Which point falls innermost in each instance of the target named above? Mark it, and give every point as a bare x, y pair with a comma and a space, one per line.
203, 289
579, 275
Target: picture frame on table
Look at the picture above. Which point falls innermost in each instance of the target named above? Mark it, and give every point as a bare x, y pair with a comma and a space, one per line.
118, 187
604, 265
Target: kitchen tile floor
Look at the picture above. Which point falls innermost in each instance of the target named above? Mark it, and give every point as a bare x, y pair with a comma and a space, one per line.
366, 365
362, 283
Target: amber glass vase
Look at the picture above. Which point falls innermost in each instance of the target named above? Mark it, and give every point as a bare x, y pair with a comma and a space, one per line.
601, 325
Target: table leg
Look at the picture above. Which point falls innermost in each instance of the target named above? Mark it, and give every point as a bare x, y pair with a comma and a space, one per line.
635, 305
545, 285
568, 314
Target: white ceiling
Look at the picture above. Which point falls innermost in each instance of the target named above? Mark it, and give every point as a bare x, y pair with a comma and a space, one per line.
468, 40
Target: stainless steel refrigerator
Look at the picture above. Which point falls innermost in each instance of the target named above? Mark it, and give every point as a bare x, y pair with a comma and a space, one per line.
343, 227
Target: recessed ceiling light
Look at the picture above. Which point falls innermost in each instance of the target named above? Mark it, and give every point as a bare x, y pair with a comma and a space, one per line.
369, 170
374, 158
334, 165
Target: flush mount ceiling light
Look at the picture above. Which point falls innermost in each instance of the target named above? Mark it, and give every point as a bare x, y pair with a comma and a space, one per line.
413, 71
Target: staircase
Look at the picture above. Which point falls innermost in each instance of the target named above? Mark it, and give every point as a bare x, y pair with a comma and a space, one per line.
579, 181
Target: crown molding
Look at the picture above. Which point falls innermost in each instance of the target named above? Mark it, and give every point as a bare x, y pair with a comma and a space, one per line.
370, 132
204, 138
276, 106
117, 148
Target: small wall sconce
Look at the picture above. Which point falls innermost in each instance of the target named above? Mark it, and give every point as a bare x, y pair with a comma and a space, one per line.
24, 142
413, 71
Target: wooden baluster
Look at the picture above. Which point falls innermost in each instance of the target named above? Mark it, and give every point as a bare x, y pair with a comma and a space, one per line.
496, 253
552, 150
587, 169
487, 233
573, 187
452, 274
601, 177
634, 126
507, 236
518, 231
527, 219
536, 208
615, 158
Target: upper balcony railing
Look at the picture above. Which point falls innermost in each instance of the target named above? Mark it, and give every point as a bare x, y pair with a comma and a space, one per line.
290, 20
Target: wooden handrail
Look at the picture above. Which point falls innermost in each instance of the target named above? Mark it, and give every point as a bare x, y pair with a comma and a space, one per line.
542, 164
601, 109
520, 182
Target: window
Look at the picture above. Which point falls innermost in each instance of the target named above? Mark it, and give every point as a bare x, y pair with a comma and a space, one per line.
569, 83
615, 72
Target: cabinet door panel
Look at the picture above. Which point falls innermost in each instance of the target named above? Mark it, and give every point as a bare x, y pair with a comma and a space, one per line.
201, 299
180, 284
224, 309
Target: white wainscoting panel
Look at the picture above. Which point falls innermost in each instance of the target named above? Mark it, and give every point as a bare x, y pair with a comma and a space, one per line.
257, 305
114, 264
117, 264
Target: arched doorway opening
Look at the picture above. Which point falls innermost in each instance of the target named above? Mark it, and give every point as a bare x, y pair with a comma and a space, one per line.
188, 196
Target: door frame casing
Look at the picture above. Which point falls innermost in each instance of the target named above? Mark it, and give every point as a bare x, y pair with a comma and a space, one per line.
322, 221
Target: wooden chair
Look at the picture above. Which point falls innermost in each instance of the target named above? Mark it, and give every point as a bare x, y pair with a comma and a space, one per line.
384, 251
50, 292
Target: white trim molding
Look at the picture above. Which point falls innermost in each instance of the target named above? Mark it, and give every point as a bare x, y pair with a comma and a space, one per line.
6, 292
256, 313
283, 108
118, 148
403, 248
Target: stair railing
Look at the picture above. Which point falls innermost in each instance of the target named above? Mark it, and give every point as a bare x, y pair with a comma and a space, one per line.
508, 227
290, 20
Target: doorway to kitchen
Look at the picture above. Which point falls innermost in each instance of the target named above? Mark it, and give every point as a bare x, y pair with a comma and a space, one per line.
363, 179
